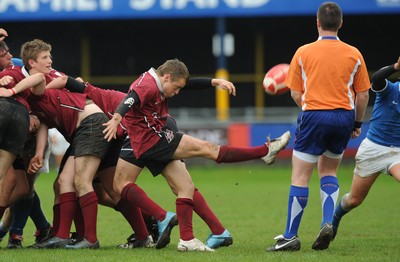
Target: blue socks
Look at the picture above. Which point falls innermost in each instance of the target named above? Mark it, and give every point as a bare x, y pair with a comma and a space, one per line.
22, 209
298, 198
341, 210
329, 195
37, 215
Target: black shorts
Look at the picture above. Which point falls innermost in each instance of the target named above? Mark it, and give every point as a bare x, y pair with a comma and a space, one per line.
64, 159
14, 125
109, 160
156, 158
112, 155
127, 154
165, 148
171, 123
22, 161
19, 164
89, 137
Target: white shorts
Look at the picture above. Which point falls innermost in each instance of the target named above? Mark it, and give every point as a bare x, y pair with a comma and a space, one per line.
58, 143
372, 158
46, 165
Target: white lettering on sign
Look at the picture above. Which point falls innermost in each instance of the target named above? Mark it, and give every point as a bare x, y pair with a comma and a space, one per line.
199, 4
57, 5
388, 3
19, 5
141, 4
81, 5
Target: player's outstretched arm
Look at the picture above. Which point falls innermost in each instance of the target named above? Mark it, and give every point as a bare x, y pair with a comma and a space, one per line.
379, 77
74, 85
58, 83
204, 83
6, 80
224, 84
36, 82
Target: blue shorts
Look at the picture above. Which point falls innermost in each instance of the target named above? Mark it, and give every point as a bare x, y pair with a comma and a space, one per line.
323, 130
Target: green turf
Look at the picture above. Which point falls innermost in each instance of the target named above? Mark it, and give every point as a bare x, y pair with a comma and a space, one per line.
251, 201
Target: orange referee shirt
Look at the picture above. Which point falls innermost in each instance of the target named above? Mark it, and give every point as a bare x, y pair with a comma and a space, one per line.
327, 72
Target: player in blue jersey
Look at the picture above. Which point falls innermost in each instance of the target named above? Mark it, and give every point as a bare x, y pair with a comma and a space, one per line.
17, 62
379, 152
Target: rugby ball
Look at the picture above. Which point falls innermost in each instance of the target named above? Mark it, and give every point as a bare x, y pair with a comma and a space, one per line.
274, 80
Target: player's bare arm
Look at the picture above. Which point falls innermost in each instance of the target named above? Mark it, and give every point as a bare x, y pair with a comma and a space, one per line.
3, 34
224, 84
397, 64
58, 83
36, 81
123, 107
296, 96
111, 127
6, 80
360, 106
41, 140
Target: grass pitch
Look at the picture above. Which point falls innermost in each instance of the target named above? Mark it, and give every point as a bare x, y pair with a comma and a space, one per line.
251, 201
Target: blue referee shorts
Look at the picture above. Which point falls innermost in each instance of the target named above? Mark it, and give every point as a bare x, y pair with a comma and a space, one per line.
323, 130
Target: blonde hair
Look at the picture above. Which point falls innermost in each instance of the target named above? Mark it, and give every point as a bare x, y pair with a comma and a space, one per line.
176, 68
32, 49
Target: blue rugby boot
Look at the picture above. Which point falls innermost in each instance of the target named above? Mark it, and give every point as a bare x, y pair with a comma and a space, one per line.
165, 228
222, 240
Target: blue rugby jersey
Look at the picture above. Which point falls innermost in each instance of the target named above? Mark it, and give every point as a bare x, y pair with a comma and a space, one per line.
17, 62
384, 126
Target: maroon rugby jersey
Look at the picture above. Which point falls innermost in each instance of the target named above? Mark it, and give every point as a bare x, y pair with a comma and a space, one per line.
18, 73
108, 101
58, 109
145, 121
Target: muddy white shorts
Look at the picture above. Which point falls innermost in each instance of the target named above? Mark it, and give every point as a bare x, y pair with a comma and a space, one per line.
372, 158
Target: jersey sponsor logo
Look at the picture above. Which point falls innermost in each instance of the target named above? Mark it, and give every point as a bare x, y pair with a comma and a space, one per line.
169, 135
130, 101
